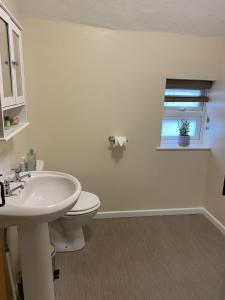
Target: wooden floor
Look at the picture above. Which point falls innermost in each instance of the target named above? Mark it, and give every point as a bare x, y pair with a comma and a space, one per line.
156, 258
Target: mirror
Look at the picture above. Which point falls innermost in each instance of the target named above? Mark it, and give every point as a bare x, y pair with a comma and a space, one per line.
17, 64
5, 59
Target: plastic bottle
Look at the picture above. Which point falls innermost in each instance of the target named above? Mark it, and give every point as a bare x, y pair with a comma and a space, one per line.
23, 164
31, 160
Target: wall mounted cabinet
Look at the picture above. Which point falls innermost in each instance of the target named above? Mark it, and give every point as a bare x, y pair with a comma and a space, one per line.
12, 90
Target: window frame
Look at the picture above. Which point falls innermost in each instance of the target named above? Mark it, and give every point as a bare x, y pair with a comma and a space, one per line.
186, 113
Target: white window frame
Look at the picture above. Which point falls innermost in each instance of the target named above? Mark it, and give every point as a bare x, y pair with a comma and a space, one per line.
186, 113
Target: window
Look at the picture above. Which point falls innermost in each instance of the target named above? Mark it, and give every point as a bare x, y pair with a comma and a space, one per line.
185, 100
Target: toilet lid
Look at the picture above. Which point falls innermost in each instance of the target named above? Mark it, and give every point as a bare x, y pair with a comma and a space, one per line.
86, 201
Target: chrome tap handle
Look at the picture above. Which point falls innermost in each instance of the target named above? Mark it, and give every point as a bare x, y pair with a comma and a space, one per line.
7, 187
17, 170
18, 177
17, 174
8, 190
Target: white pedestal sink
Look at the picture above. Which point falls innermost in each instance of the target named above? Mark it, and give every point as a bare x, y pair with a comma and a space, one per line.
46, 197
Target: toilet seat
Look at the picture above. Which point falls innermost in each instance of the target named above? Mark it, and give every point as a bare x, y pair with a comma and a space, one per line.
86, 203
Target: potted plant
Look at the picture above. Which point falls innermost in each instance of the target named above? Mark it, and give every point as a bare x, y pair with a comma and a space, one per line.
184, 129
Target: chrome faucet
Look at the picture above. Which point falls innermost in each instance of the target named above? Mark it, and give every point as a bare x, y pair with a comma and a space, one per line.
18, 177
8, 190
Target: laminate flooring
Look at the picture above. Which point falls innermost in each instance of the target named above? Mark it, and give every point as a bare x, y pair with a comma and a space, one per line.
155, 258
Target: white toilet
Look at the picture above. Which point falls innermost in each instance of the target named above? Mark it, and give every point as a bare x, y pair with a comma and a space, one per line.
66, 233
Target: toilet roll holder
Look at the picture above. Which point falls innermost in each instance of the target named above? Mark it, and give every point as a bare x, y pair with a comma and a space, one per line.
112, 139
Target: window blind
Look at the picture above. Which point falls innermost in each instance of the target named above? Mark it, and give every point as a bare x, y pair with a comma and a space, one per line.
181, 90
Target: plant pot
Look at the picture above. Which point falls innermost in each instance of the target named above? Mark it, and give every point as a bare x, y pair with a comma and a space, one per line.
184, 140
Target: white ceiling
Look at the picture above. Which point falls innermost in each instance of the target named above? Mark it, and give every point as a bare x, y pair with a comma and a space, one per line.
199, 17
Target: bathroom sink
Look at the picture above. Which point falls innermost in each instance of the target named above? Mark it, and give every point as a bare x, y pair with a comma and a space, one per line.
46, 196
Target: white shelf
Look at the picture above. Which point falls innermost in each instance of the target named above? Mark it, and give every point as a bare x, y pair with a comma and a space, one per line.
13, 131
12, 106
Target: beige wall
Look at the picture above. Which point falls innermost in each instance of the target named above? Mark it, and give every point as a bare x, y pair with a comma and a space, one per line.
215, 202
84, 84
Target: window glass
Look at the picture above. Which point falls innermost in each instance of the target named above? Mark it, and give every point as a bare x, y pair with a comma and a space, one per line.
182, 104
175, 111
5, 59
170, 128
183, 93
18, 64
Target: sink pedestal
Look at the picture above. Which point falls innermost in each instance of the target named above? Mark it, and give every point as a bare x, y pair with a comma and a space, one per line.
36, 261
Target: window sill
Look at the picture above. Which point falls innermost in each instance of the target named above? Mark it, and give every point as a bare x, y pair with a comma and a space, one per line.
175, 147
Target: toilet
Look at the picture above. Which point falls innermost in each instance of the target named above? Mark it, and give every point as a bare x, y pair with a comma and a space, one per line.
66, 233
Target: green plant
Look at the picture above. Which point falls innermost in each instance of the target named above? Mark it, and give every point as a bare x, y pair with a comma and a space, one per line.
184, 127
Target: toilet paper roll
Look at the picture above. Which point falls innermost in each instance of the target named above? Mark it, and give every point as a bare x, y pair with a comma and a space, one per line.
120, 141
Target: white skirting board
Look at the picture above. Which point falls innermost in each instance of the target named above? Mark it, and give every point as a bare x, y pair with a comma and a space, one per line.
214, 220
149, 212
162, 212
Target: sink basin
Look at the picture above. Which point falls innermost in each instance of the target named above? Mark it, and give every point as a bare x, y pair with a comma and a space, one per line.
46, 196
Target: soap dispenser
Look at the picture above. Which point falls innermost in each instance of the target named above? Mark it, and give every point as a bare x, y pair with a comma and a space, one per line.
31, 160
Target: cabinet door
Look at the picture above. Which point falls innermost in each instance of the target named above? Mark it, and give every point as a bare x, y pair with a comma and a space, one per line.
17, 65
6, 76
